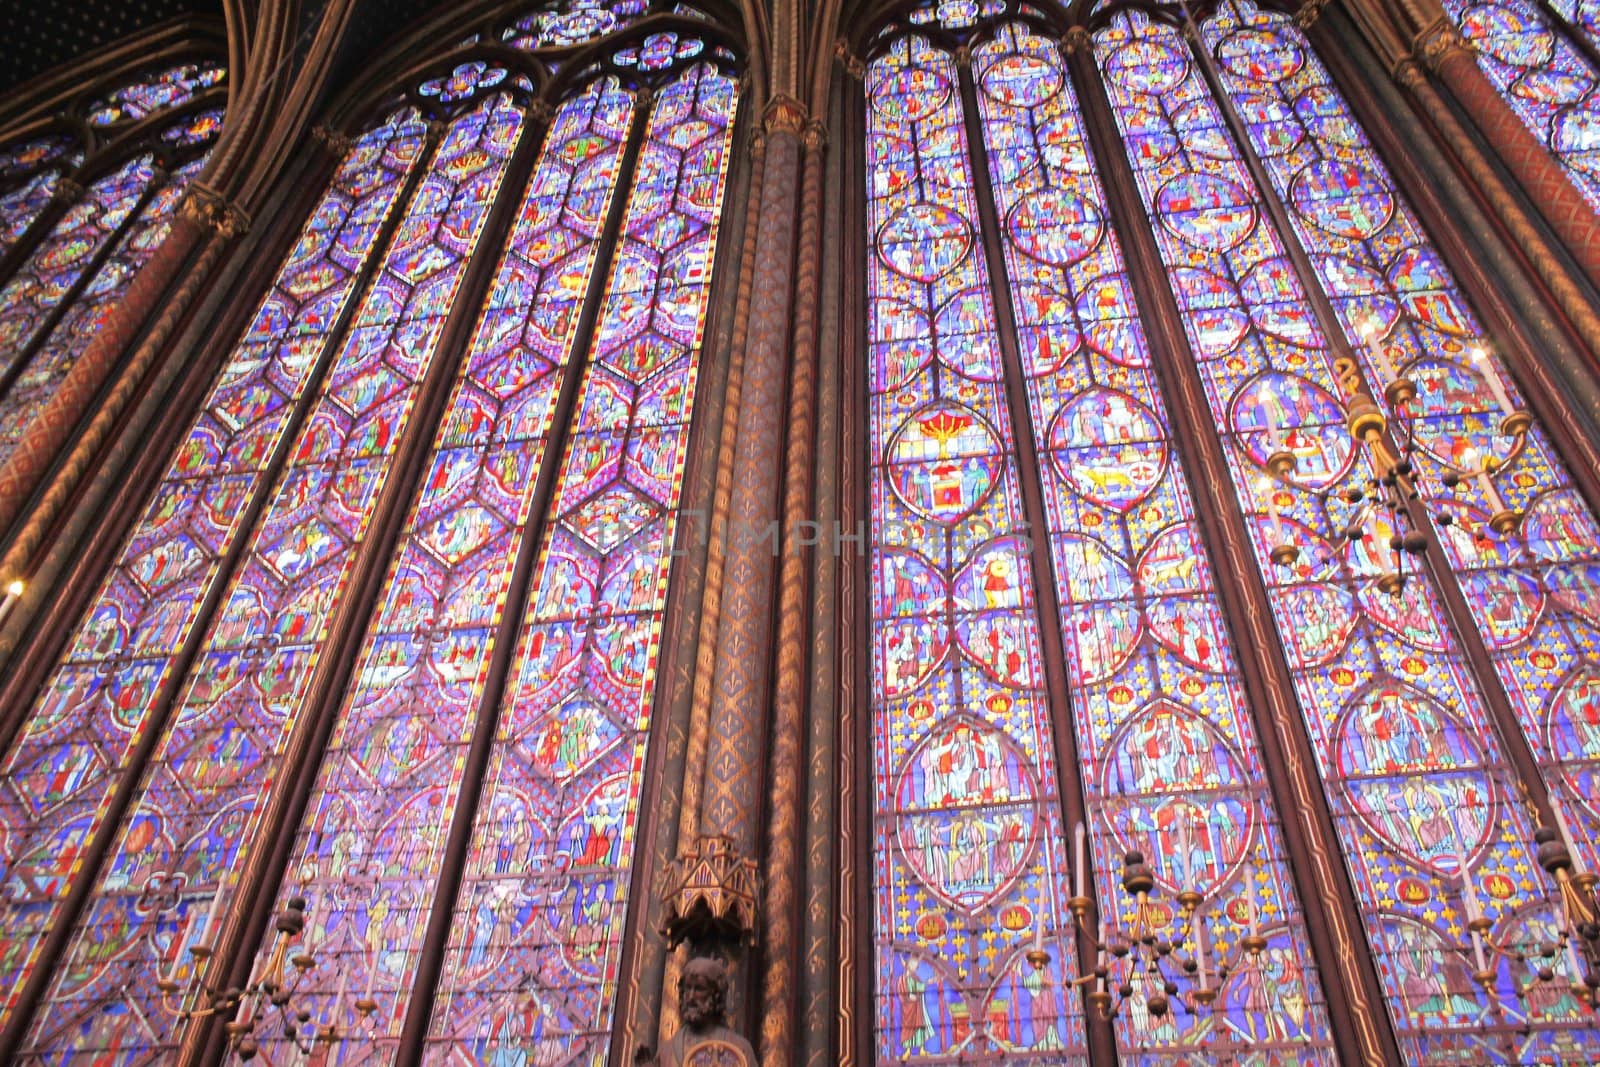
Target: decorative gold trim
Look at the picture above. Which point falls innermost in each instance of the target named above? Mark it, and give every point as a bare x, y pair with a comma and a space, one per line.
1438, 42
333, 140
207, 207
1076, 38
850, 61
783, 114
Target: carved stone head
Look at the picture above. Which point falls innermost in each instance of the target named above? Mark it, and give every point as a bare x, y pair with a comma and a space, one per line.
702, 994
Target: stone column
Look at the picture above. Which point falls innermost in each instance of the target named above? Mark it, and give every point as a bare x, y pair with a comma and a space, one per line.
1534, 166
204, 220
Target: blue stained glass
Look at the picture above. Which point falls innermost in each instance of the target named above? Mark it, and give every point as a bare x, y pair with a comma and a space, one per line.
1530, 594
532, 963
969, 848
92, 711
1411, 767
1169, 756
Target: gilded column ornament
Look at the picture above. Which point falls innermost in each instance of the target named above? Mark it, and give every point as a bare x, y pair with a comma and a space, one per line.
335, 141
850, 61
1077, 39
1309, 12
207, 208
67, 191
709, 894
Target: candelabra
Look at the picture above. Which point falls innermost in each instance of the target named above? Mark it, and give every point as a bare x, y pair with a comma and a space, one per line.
1387, 499
271, 1002
1577, 932
1155, 952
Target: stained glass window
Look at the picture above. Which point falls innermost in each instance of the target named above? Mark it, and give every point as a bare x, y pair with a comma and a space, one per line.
536, 937
209, 644
98, 702
77, 272
369, 853
969, 846
1431, 818
1553, 86
1171, 765
1532, 594
30, 174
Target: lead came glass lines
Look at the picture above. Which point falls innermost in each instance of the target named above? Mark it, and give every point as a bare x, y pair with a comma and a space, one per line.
1171, 764
1413, 773
968, 841
1549, 83
531, 966
59, 261
69, 339
368, 853
1535, 597
201, 797
94, 705
40, 166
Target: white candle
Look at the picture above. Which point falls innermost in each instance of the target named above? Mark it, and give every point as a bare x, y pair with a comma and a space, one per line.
1496, 501
336, 1011
1484, 364
1100, 957
1377, 351
1081, 875
207, 932
1270, 491
1200, 947
1255, 919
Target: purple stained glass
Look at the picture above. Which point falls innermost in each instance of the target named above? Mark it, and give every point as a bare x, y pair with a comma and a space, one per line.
1426, 809
1583, 16
969, 848
1169, 756
1533, 595
20, 206
96, 704
573, 22
160, 92
44, 373
205, 790
60, 260
534, 949
368, 854
1549, 83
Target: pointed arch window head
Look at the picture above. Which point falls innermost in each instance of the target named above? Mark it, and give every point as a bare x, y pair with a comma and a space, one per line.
546, 409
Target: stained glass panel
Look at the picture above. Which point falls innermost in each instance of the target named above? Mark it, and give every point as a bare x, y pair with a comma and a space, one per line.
1414, 775
367, 856
38, 381
95, 705
33, 172
160, 92
40, 285
203, 793
969, 848
531, 966
1550, 84
1532, 596
1170, 760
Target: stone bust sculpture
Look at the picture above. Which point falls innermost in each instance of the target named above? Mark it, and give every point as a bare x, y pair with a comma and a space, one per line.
704, 1039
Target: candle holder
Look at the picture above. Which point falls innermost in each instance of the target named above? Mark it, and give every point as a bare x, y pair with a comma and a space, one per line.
1580, 911
271, 1003
1155, 953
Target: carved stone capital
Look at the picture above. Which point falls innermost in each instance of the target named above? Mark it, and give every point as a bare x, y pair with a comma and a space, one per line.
1076, 38
784, 114
1309, 12
207, 207
1408, 72
709, 894
333, 140
815, 136
852, 63
67, 191
1439, 42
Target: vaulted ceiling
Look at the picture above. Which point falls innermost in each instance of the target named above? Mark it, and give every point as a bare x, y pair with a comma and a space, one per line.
40, 35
